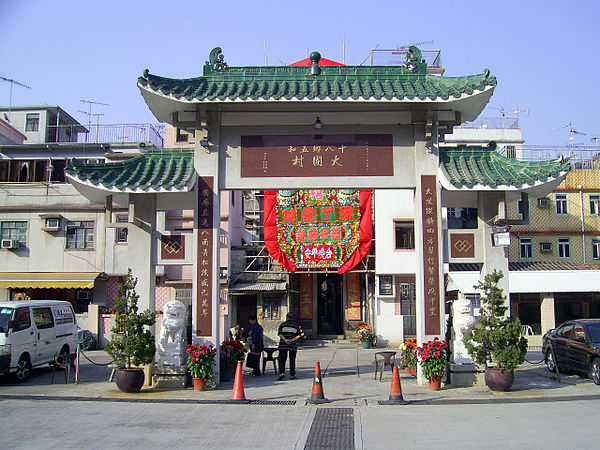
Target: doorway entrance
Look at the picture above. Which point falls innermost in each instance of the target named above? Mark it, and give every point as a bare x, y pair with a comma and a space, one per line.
330, 288
245, 305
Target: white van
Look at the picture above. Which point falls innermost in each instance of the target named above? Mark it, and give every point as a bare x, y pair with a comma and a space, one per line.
32, 332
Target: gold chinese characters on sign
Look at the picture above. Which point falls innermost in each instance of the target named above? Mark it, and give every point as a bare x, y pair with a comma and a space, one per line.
205, 256
431, 270
317, 156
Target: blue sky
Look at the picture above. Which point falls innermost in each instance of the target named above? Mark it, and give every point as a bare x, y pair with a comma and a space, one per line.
544, 53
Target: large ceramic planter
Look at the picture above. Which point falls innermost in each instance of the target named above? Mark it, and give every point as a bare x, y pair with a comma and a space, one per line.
199, 384
366, 345
435, 384
498, 380
129, 380
413, 372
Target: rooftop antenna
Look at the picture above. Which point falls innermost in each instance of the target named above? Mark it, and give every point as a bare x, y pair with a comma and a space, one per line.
595, 139
404, 47
89, 112
572, 131
12, 83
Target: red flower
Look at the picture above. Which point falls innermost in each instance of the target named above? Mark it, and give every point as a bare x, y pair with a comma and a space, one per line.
194, 360
436, 354
205, 352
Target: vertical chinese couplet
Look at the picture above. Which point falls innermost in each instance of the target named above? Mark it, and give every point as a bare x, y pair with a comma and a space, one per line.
353, 293
306, 296
205, 256
431, 268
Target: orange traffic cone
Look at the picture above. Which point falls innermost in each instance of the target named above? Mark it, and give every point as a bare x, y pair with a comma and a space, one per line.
238, 385
396, 391
317, 389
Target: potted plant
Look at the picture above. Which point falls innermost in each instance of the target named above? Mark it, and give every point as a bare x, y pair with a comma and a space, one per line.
496, 342
201, 360
231, 352
432, 358
131, 341
365, 334
409, 356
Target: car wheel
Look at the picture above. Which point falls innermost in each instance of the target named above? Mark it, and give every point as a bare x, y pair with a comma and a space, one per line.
23, 369
550, 363
595, 370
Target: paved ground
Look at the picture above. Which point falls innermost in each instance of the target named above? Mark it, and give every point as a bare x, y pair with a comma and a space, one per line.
348, 380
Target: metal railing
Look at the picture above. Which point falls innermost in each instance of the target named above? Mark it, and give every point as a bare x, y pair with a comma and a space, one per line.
581, 156
494, 123
108, 134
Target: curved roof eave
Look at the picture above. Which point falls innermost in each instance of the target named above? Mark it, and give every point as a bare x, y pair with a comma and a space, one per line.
537, 189
113, 190
469, 105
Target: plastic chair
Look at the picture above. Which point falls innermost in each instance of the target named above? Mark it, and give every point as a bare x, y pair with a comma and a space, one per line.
268, 356
66, 362
387, 358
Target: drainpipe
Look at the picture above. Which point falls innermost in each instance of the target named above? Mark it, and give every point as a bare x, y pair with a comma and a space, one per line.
580, 187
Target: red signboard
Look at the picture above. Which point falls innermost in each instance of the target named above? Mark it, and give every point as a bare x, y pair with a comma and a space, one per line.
431, 269
326, 155
172, 247
205, 256
462, 245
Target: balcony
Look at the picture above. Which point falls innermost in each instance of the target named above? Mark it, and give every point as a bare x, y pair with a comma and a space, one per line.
108, 134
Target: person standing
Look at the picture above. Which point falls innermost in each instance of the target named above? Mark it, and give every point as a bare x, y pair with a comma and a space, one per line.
256, 344
289, 333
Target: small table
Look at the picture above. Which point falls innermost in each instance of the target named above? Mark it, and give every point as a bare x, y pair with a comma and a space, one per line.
387, 358
268, 356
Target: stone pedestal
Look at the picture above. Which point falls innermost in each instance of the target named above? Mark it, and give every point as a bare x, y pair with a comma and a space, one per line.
170, 377
465, 375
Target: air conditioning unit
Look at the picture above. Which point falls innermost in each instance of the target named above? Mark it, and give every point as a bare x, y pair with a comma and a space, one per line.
83, 295
543, 202
52, 224
545, 247
9, 243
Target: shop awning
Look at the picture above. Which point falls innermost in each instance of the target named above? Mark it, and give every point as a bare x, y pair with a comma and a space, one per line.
259, 287
80, 280
463, 282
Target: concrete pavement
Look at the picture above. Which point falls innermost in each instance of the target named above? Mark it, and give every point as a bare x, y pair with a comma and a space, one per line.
348, 380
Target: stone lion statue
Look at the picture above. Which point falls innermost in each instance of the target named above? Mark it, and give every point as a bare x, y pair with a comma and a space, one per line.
462, 322
171, 343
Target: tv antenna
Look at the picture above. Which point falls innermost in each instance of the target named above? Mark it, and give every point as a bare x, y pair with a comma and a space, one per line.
89, 112
516, 112
595, 139
572, 131
404, 47
12, 83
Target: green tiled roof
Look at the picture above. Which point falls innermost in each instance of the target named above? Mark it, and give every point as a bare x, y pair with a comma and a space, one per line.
411, 82
468, 166
164, 170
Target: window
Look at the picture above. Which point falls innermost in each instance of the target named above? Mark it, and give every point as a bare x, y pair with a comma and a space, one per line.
564, 247
596, 248
14, 231
43, 318
561, 204
595, 205
22, 319
122, 232
386, 286
404, 235
80, 234
271, 308
525, 248
462, 218
182, 136
32, 122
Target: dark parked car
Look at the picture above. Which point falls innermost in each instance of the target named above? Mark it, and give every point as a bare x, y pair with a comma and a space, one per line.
576, 347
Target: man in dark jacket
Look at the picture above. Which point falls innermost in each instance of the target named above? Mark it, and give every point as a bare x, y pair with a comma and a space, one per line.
256, 344
289, 333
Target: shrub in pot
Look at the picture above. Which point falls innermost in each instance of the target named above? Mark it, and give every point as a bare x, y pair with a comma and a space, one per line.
496, 342
131, 341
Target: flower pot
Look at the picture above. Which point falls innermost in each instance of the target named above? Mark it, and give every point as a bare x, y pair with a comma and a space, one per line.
407, 369
435, 384
413, 372
498, 380
366, 345
226, 374
129, 380
199, 384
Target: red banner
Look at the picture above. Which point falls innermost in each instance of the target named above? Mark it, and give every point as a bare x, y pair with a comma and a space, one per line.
205, 256
431, 271
318, 228
353, 293
306, 296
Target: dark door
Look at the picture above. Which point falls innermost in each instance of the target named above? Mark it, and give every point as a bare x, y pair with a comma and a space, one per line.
246, 305
329, 304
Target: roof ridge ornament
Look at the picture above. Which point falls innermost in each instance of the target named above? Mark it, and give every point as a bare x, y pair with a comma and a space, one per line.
216, 62
315, 69
414, 61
